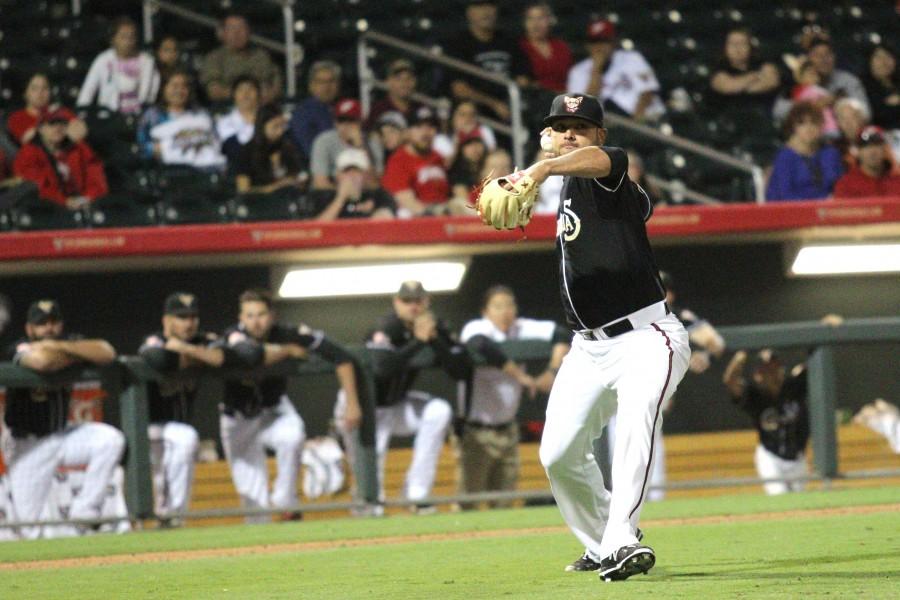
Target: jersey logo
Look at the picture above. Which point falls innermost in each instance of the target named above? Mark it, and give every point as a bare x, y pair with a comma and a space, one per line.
568, 224
572, 103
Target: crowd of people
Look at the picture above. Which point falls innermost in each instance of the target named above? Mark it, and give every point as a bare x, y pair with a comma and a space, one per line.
225, 112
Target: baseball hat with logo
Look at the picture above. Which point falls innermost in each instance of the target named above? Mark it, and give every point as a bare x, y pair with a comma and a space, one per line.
411, 290
57, 115
871, 135
400, 65
351, 158
601, 30
392, 118
424, 115
348, 109
42, 311
577, 106
181, 304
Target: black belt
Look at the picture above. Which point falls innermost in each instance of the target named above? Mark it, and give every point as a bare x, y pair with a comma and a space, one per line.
480, 425
618, 328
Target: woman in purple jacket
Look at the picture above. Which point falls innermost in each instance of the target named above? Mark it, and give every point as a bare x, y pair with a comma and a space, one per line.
805, 168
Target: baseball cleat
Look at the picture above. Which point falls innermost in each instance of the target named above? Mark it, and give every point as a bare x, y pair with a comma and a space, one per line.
627, 561
585, 563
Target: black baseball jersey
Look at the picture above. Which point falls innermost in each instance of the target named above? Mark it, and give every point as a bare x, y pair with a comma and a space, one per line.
782, 421
250, 397
170, 401
607, 269
392, 347
40, 410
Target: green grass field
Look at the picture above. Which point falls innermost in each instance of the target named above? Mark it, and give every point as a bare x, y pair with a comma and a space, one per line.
498, 554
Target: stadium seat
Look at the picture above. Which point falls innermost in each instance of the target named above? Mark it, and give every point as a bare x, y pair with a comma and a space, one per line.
268, 207
46, 215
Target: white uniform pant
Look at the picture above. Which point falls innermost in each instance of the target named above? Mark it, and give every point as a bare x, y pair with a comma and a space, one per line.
772, 466
631, 376
173, 450
245, 440
419, 414
32, 463
656, 488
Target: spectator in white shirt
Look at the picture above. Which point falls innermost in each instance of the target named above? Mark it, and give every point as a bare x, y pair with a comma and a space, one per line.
121, 78
235, 128
622, 79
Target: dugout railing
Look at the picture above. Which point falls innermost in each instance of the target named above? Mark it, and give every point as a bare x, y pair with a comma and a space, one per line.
127, 379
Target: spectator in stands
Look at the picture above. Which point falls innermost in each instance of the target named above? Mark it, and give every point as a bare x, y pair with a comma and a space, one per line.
874, 173
235, 128
354, 195
313, 115
347, 133
804, 168
400, 80
549, 58
14, 191
464, 124
269, 161
415, 174
498, 162
851, 116
638, 174
23, 123
123, 78
235, 58
882, 83
808, 89
464, 174
488, 48
622, 79
840, 83
741, 80
883, 418
168, 56
388, 135
67, 173
175, 132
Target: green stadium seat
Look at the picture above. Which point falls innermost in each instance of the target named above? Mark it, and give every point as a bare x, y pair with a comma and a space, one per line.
267, 207
120, 210
47, 215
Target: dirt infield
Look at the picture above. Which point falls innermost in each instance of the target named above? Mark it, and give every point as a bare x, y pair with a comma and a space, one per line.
181, 555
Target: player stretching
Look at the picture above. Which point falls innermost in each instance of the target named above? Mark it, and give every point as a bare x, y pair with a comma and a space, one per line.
629, 351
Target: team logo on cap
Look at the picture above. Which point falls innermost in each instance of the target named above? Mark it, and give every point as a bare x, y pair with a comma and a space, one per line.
572, 103
186, 299
45, 305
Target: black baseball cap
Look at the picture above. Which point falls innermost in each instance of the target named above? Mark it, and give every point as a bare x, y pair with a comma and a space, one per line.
424, 114
400, 65
412, 290
181, 304
578, 106
42, 311
871, 135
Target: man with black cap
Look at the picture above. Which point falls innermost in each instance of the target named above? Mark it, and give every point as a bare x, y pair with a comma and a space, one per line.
874, 173
777, 402
257, 415
415, 172
400, 80
38, 438
628, 352
393, 345
173, 441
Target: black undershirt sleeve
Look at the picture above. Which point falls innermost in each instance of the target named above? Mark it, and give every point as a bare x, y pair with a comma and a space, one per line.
160, 359
489, 349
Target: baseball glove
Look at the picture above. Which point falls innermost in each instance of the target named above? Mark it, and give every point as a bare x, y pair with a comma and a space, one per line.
507, 202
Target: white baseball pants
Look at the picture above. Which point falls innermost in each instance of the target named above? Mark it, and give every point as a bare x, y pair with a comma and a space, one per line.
245, 440
173, 450
772, 466
33, 461
419, 414
655, 489
631, 376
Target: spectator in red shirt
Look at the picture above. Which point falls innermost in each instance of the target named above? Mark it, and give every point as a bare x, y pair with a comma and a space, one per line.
548, 57
415, 173
22, 124
401, 85
874, 174
67, 173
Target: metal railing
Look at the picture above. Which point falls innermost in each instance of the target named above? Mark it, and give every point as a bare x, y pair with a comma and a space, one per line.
290, 49
128, 379
755, 171
368, 81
